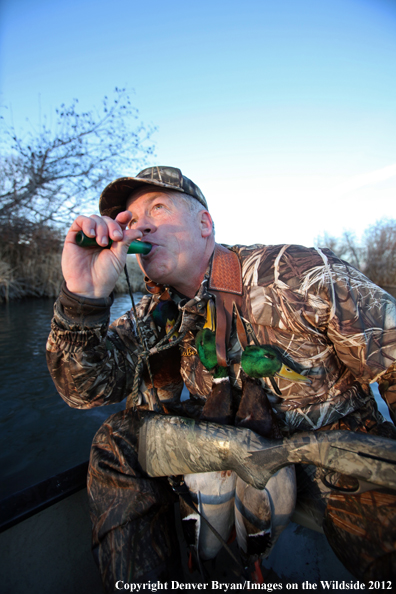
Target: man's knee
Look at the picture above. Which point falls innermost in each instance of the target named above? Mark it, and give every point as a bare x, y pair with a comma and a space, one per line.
115, 445
361, 530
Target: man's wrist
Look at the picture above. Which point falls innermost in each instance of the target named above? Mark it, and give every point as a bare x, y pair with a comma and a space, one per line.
85, 294
86, 311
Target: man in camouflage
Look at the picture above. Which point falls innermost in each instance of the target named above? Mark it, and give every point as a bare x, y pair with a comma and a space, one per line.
331, 324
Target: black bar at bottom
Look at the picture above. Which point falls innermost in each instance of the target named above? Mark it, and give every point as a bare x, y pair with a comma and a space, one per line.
30, 501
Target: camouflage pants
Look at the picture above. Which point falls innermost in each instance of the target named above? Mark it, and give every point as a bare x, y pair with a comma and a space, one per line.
134, 536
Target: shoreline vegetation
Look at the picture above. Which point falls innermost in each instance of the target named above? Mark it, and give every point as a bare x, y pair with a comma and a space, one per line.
30, 264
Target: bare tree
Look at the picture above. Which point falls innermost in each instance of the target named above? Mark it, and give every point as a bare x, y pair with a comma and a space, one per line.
48, 176
375, 256
380, 258
345, 247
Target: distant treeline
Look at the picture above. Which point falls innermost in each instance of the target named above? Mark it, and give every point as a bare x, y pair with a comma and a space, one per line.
30, 262
374, 255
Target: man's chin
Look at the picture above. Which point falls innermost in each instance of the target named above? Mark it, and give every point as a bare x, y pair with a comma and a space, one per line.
158, 274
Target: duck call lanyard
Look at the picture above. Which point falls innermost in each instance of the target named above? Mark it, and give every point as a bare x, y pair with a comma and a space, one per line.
167, 342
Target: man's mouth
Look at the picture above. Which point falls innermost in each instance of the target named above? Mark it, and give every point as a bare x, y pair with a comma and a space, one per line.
151, 252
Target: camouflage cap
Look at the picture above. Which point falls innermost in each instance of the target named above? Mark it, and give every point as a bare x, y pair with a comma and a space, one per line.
114, 197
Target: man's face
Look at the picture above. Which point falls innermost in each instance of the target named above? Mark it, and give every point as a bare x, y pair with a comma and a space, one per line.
175, 233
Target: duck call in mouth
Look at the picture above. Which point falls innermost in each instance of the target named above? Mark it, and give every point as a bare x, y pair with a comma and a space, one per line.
136, 247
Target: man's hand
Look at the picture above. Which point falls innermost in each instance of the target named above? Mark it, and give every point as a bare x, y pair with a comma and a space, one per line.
93, 272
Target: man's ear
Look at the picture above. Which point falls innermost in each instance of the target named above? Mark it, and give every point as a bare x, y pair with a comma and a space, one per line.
206, 223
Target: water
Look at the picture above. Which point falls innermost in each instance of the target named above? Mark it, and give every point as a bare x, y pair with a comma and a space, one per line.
40, 435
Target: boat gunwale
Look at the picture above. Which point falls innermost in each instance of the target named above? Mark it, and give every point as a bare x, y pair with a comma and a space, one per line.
23, 504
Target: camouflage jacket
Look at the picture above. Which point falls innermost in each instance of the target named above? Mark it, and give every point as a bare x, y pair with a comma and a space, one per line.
328, 320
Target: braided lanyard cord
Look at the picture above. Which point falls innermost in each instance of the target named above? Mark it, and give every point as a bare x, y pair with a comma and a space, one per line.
143, 357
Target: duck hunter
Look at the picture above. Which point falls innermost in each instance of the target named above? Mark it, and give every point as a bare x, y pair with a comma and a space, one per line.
271, 342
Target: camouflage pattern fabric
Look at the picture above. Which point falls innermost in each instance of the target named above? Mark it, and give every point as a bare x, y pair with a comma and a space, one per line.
363, 528
134, 537
327, 320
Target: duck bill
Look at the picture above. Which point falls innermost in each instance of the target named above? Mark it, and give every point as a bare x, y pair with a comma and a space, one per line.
168, 327
288, 373
210, 316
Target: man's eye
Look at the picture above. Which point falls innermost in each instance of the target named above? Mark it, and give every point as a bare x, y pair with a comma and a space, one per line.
158, 206
132, 222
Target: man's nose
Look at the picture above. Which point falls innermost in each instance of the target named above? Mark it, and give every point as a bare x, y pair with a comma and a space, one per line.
146, 225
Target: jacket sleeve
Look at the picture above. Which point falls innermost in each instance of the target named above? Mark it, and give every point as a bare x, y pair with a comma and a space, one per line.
362, 327
90, 364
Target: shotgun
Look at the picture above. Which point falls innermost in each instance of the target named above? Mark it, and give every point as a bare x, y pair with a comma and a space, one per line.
171, 445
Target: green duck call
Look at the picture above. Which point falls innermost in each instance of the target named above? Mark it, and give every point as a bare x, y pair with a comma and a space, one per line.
136, 247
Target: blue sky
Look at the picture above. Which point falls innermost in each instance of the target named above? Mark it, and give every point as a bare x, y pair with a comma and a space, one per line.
284, 113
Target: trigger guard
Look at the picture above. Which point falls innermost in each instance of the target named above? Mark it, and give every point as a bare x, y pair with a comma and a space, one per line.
362, 486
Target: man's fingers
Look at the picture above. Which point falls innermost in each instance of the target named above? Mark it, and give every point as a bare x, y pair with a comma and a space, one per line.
102, 231
85, 224
123, 218
105, 228
102, 228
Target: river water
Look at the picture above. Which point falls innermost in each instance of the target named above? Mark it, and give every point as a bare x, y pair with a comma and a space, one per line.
39, 434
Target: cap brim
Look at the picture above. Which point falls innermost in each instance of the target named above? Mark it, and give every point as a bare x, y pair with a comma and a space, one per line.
114, 197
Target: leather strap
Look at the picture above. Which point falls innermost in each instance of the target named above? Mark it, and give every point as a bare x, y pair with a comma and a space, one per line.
225, 283
226, 272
